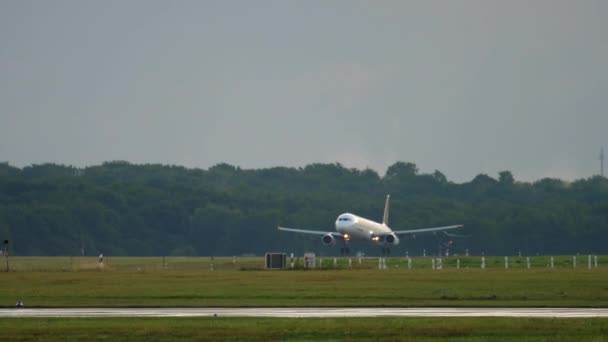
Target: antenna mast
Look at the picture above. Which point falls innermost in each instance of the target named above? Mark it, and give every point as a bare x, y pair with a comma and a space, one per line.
602, 161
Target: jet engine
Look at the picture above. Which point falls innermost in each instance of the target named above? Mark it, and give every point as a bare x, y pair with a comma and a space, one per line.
328, 240
391, 239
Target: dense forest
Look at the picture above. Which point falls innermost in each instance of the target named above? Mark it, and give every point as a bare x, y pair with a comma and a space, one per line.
120, 208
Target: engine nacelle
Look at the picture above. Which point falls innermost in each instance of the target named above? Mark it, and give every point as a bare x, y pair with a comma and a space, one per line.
328, 240
391, 239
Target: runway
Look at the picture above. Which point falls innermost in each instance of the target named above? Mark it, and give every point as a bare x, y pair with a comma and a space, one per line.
308, 312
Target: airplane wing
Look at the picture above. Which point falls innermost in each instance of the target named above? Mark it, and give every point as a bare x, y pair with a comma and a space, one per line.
314, 232
423, 230
456, 235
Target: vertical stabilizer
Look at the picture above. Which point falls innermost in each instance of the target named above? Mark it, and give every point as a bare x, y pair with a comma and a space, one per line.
386, 206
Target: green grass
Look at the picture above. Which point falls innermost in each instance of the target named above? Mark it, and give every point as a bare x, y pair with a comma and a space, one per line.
334, 329
228, 282
397, 287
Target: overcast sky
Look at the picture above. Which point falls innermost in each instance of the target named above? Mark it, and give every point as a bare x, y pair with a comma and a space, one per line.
464, 87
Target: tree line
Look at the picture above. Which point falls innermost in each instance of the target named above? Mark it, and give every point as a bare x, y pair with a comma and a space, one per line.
119, 208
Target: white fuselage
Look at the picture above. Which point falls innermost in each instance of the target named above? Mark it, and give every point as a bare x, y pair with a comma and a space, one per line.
356, 227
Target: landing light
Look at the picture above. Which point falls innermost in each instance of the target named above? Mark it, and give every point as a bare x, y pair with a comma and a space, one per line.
376, 238
346, 236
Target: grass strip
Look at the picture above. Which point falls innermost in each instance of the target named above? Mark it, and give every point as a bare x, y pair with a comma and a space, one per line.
329, 288
334, 329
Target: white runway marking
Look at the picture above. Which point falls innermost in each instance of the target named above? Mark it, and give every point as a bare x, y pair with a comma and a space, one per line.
308, 312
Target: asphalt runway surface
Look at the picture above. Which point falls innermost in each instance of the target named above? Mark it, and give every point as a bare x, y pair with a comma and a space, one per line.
307, 312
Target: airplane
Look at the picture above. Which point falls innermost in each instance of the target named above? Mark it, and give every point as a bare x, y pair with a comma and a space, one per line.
350, 226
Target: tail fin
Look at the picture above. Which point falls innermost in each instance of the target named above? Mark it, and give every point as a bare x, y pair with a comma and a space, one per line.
386, 207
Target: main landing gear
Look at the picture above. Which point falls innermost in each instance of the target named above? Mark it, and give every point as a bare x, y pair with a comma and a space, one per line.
386, 251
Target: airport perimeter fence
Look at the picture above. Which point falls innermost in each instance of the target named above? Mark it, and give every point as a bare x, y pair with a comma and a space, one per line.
159, 263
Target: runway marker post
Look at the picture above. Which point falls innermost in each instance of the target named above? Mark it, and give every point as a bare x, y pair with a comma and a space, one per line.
596, 261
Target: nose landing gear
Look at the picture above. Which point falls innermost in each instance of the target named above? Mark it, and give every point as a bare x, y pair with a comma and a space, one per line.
345, 249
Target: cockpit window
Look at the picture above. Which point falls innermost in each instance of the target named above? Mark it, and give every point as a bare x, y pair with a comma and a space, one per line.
344, 219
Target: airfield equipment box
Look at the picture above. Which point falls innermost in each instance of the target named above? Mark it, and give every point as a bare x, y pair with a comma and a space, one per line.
276, 260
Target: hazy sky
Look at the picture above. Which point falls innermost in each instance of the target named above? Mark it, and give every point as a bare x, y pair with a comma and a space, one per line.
465, 87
